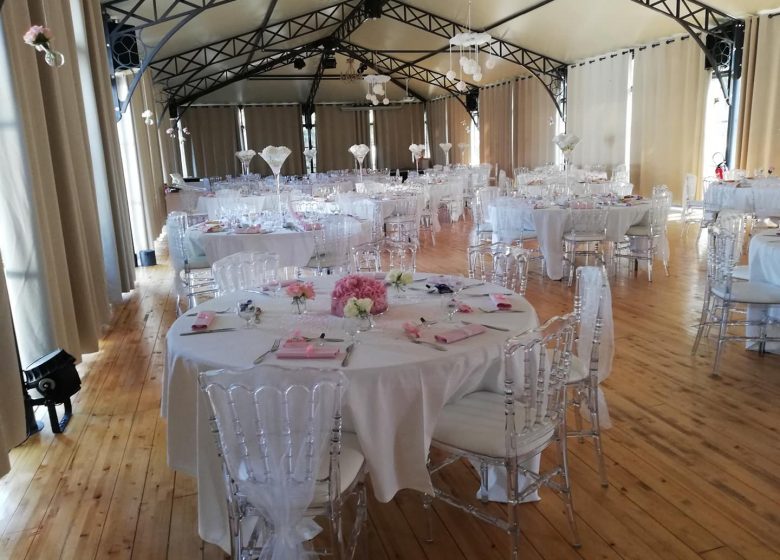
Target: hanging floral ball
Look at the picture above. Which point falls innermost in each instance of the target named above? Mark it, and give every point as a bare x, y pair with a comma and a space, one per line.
451, 75
385, 101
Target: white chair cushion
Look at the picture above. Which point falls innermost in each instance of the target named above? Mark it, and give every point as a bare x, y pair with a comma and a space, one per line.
476, 423
582, 237
639, 230
741, 272
578, 371
751, 292
350, 462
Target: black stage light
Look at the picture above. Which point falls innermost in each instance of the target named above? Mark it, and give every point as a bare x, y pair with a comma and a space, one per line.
362, 68
299, 63
472, 100
329, 61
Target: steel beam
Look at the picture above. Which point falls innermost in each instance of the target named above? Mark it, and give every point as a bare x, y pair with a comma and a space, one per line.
207, 84
549, 71
145, 13
692, 15
196, 60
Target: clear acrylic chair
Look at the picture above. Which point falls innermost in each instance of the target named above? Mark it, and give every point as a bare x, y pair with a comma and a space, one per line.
332, 243
385, 254
723, 297
692, 209
404, 222
279, 435
505, 430
647, 241
242, 271
592, 361
483, 229
587, 237
498, 263
192, 274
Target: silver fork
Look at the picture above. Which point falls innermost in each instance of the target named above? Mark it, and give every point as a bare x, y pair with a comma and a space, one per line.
438, 347
274, 348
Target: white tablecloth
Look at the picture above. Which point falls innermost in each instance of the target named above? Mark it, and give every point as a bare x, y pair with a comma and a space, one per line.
764, 266
759, 196
509, 216
397, 389
295, 248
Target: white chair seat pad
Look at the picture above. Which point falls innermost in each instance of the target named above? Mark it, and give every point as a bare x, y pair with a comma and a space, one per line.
741, 272
350, 462
578, 371
751, 292
583, 236
640, 231
476, 423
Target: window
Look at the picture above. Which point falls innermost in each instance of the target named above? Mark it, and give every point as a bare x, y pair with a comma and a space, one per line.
372, 138
716, 126
310, 139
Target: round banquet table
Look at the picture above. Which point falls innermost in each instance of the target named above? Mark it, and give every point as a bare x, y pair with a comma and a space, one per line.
396, 388
764, 266
759, 196
510, 216
217, 206
295, 248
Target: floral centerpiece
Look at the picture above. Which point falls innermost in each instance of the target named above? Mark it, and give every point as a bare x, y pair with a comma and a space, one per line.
566, 143
274, 156
358, 308
300, 293
399, 279
445, 147
359, 152
358, 287
40, 37
417, 152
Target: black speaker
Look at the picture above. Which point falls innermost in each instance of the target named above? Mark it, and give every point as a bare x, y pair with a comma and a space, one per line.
373, 9
55, 377
472, 101
124, 46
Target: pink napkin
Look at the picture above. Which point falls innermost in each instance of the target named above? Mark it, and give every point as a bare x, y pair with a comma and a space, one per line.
501, 301
462, 333
203, 320
302, 350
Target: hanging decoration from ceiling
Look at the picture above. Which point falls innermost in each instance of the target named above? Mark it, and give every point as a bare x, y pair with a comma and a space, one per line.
377, 92
467, 45
350, 74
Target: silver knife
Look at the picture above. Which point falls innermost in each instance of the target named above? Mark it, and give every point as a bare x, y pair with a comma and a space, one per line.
348, 354
206, 331
486, 326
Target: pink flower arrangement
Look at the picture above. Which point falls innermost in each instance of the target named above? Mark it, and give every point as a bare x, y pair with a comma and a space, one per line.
38, 36
300, 290
358, 286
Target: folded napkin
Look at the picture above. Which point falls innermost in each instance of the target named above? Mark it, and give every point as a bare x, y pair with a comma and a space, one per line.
462, 333
250, 229
302, 350
501, 301
203, 320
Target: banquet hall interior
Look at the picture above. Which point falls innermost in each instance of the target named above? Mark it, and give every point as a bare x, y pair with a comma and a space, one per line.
386, 279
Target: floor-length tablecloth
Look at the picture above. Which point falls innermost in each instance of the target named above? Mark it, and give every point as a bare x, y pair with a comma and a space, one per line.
511, 216
764, 266
397, 389
751, 196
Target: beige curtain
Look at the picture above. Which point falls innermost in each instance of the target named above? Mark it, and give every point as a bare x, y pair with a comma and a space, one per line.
596, 109
395, 130
495, 126
213, 142
49, 226
12, 423
437, 130
141, 148
336, 131
667, 128
460, 131
535, 117
758, 135
115, 230
276, 125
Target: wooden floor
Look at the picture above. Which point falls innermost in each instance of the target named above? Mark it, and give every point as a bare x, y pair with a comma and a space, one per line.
693, 461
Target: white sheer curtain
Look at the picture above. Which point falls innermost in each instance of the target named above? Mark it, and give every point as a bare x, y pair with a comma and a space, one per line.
667, 129
535, 117
142, 163
12, 426
50, 234
597, 99
758, 143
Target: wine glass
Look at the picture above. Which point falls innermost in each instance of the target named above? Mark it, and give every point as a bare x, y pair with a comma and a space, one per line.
351, 326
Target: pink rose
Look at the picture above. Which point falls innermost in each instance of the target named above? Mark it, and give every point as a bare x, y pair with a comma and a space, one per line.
38, 35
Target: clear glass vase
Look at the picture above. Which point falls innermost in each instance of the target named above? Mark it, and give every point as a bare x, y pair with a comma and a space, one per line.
299, 306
